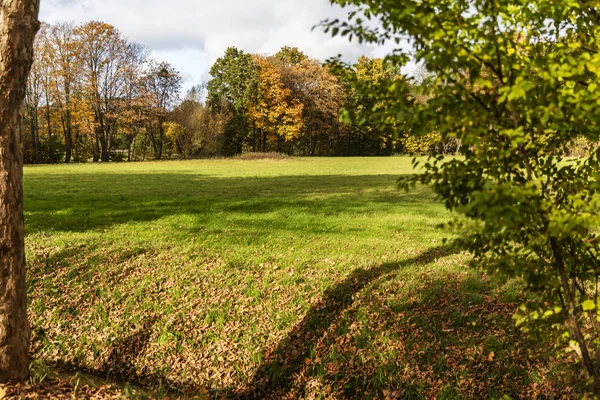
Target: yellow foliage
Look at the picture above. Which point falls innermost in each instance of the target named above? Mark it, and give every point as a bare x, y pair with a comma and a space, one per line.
276, 112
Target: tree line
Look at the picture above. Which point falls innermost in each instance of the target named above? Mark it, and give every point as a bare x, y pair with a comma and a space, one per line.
93, 95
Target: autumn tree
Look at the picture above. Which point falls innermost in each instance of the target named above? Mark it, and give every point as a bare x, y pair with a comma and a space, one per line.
18, 25
64, 77
321, 96
195, 130
134, 104
161, 85
276, 113
44, 58
33, 103
103, 52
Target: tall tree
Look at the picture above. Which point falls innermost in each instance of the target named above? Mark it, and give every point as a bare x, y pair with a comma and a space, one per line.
363, 136
321, 96
162, 86
66, 75
45, 58
133, 105
276, 113
18, 26
232, 90
103, 54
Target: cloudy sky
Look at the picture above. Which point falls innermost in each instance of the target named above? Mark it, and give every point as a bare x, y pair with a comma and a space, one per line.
192, 34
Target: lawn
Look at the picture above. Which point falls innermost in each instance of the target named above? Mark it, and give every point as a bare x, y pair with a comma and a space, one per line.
310, 278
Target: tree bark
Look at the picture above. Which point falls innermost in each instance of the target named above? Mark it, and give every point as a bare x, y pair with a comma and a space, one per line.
18, 25
49, 123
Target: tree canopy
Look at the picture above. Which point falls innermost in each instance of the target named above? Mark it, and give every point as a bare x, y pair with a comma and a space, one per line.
515, 84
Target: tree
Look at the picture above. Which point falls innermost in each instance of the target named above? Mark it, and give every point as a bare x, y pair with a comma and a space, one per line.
232, 90
66, 76
194, 129
103, 53
516, 83
162, 85
291, 55
45, 59
276, 113
363, 136
33, 103
18, 25
321, 95
133, 105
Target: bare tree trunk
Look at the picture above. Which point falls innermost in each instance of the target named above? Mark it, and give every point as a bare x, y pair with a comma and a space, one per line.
18, 25
158, 153
49, 122
68, 146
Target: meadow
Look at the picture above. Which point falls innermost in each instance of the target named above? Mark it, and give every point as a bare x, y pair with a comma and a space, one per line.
311, 278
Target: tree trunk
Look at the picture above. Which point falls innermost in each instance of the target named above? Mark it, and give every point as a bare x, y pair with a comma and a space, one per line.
254, 136
313, 142
49, 122
68, 138
68, 146
159, 147
129, 146
66, 123
35, 141
18, 25
96, 150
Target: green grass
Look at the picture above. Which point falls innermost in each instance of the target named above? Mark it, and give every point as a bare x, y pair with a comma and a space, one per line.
232, 278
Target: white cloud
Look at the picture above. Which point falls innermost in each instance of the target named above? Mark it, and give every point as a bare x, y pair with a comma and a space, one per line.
192, 34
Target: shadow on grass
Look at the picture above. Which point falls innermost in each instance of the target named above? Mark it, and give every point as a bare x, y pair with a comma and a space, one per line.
455, 331
86, 202
276, 371
119, 365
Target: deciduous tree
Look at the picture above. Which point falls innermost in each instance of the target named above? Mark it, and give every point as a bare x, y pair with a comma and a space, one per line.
103, 53
516, 82
161, 85
18, 25
276, 114
232, 90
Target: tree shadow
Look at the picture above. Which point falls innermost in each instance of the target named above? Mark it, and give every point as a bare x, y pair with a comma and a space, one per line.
449, 331
119, 365
280, 365
74, 202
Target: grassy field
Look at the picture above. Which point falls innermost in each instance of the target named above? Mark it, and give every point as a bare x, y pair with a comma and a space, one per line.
307, 278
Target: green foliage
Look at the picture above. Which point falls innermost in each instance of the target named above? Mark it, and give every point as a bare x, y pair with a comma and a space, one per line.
371, 130
515, 83
234, 85
291, 55
232, 90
